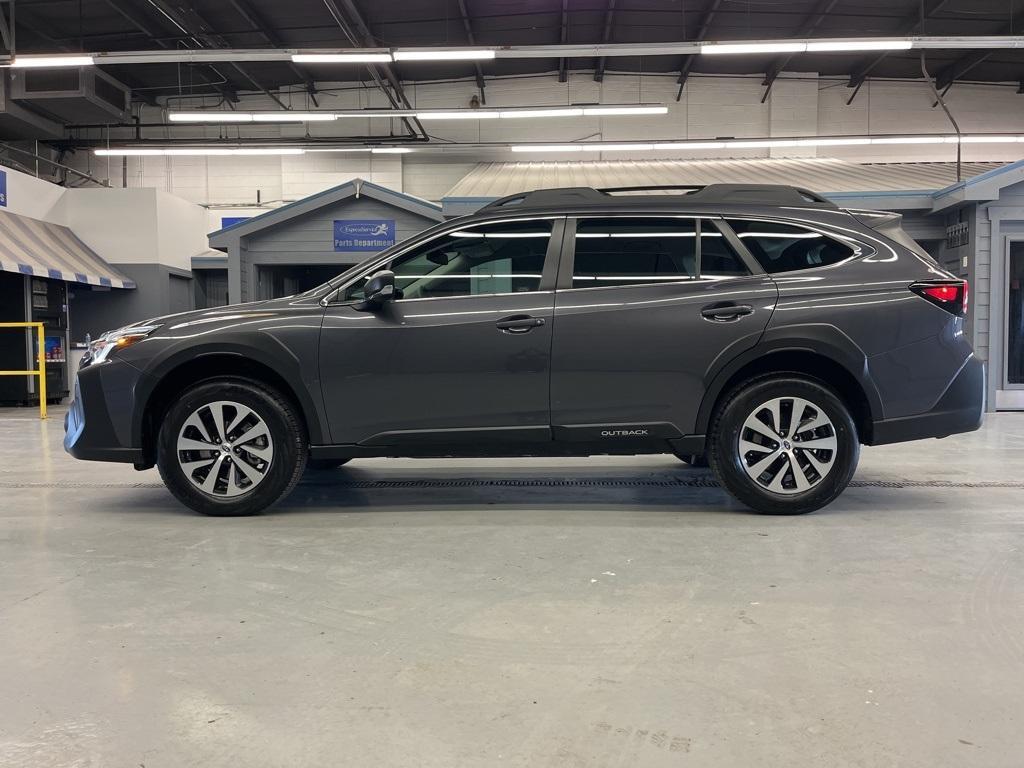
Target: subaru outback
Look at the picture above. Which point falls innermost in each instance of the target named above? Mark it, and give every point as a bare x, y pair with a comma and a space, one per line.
761, 329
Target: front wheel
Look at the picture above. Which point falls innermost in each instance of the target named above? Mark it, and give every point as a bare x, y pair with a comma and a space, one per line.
230, 447
784, 445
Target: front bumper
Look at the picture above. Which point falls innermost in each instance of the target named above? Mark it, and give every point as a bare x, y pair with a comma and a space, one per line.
97, 426
960, 409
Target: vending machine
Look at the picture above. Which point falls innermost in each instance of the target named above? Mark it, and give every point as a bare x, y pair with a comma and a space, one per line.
26, 298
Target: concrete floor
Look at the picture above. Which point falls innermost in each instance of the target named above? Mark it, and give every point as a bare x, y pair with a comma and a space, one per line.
617, 612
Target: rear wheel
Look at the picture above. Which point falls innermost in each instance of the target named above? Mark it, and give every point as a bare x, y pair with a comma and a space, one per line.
784, 445
231, 447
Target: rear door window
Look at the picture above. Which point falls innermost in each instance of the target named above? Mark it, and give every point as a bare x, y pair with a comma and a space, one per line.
787, 248
622, 251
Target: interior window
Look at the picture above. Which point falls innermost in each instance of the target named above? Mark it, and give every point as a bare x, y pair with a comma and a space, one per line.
633, 251
784, 247
475, 261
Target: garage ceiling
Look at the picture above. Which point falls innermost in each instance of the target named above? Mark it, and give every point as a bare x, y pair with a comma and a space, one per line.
49, 26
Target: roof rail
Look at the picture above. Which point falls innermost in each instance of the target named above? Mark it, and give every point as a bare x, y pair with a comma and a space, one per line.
721, 194
643, 188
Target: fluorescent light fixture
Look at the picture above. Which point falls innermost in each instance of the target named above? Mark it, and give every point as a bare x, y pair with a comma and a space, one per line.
227, 116
832, 142
838, 46
390, 150
546, 148
553, 112
337, 149
781, 47
52, 61
660, 109
726, 144
440, 54
910, 140
760, 143
210, 116
988, 139
639, 147
286, 116
197, 151
690, 145
367, 57
269, 151
461, 114
127, 152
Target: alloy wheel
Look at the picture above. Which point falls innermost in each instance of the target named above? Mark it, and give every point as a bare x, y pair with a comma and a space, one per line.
224, 448
787, 445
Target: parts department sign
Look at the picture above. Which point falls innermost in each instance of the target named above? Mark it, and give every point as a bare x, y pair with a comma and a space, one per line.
363, 234
3, 188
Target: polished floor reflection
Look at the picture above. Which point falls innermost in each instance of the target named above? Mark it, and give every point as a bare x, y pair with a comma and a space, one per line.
602, 612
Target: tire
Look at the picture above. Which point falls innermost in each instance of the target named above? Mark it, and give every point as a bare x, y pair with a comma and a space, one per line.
325, 465
696, 460
824, 471
264, 433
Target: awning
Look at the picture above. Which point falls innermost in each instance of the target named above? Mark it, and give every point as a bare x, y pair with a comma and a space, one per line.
42, 249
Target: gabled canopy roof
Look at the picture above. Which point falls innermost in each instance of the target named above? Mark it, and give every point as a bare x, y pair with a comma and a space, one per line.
350, 189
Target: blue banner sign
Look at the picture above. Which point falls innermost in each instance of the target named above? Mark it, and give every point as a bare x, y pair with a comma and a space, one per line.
230, 221
3, 188
363, 234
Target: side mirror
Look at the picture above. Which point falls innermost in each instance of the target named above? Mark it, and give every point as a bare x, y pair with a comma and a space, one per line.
379, 289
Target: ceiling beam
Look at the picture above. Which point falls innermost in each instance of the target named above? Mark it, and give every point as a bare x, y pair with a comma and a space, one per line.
217, 83
807, 27
358, 33
702, 31
953, 72
563, 63
254, 20
7, 30
606, 37
189, 21
468, 25
911, 23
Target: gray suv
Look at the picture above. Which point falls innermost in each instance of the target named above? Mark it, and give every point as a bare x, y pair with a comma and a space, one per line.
758, 328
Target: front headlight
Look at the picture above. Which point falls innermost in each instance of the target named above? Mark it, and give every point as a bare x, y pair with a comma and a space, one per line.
100, 349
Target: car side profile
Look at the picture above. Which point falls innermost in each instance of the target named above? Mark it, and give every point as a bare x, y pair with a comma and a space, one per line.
759, 328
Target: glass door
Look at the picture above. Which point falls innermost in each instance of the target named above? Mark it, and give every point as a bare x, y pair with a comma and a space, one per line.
1014, 350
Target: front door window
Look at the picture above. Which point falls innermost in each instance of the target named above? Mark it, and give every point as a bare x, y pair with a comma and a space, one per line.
478, 260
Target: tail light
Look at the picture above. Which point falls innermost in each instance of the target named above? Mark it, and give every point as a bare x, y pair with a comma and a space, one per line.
951, 295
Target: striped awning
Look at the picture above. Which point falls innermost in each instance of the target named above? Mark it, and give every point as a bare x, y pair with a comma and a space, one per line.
42, 249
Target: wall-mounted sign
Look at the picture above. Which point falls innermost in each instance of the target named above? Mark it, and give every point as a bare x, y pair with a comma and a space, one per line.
363, 234
3, 188
230, 221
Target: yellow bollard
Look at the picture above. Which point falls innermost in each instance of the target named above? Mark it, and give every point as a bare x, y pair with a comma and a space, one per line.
39, 373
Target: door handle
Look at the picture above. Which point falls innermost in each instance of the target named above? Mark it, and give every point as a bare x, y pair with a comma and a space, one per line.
518, 323
726, 313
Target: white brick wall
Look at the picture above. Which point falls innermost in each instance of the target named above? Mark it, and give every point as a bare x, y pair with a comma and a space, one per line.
800, 104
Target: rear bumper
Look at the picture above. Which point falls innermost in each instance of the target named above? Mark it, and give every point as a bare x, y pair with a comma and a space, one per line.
960, 409
93, 429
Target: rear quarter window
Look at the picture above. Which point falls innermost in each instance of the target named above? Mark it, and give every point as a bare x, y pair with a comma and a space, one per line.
787, 247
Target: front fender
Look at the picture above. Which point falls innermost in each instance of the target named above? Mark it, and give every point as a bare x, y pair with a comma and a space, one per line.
299, 374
